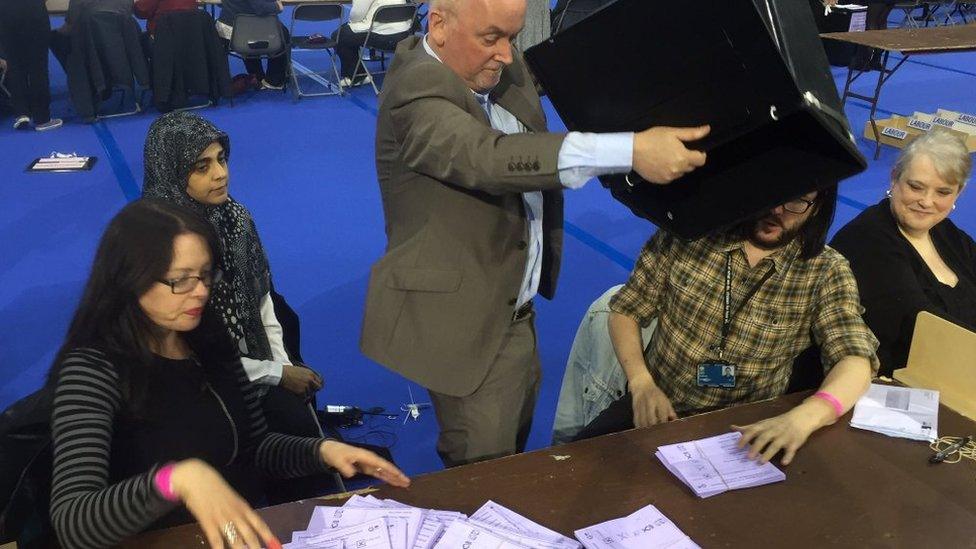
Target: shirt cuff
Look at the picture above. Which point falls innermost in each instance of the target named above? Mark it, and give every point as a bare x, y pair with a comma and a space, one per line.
583, 156
263, 372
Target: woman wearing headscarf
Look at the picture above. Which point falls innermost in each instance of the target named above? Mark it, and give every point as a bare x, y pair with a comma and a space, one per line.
186, 164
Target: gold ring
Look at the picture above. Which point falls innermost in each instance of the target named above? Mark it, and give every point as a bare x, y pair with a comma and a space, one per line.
230, 532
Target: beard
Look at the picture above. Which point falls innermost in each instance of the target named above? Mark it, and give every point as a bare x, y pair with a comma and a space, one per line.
759, 238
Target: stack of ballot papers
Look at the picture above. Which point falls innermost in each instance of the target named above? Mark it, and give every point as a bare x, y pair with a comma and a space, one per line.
366, 522
710, 466
645, 529
898, 412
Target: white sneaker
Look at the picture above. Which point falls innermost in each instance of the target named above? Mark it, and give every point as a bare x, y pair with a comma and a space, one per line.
347, 82
51, 124
22, 123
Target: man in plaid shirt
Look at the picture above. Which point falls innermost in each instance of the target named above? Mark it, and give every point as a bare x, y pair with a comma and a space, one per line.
786, 290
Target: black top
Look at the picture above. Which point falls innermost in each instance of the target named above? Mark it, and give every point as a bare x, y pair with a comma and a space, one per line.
107, 450
185, 418
896, 284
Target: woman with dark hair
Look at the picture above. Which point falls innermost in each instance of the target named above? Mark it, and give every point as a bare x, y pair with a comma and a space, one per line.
186, 164
907, 255
154, 422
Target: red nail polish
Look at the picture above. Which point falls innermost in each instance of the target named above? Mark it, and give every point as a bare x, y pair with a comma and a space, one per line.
274, 544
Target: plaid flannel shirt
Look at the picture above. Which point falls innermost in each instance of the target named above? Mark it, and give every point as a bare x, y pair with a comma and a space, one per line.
804, 301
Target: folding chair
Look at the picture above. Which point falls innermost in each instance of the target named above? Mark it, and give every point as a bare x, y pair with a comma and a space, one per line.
319, 13
908, 8
400, 13
258, 37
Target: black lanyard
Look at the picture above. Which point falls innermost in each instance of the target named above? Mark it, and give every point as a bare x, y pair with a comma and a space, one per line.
729, 315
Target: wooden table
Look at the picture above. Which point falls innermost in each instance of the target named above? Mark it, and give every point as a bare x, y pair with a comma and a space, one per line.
908, 42
846, 488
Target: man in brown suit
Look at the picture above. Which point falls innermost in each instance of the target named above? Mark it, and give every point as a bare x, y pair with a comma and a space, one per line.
471, 184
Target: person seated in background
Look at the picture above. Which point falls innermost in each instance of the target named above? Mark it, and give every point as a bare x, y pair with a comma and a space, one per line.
154, 422
876, 18
274, 77
734, 311
907, 255
61, 37
186, 164
24, 31
351, 35
152, 9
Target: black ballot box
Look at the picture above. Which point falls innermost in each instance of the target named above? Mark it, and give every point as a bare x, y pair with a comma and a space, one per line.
754, 71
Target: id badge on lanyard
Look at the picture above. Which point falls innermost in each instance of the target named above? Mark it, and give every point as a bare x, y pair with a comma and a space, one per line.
718, 372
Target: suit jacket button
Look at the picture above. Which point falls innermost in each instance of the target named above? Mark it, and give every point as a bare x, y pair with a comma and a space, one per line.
535, 165
511, 166
512, 301
520, 166
522, 245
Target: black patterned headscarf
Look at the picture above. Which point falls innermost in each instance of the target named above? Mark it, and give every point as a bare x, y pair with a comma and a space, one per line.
174, 142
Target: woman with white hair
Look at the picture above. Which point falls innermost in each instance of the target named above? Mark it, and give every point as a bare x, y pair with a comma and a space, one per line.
907, 255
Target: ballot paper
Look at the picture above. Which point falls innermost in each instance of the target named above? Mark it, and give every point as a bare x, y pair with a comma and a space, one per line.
367, 522
368, 535
647, 528
520, 529
898, 412
467, 535
710, 466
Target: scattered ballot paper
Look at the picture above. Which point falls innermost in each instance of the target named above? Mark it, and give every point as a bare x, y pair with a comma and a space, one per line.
898, 412
648, 528
367, 522
710, 466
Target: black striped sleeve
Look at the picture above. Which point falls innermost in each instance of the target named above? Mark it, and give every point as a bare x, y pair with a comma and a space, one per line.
85, 510
281, 456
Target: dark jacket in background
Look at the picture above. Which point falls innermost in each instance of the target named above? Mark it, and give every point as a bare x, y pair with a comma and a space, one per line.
230, 9
188, 59
895, 283
105, 53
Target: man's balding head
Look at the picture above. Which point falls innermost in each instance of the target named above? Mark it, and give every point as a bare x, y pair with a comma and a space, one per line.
474, 37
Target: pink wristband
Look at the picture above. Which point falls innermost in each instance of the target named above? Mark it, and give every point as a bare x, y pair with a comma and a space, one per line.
161, 480
832, 400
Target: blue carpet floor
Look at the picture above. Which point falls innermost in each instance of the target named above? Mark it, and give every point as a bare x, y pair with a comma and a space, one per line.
305, 170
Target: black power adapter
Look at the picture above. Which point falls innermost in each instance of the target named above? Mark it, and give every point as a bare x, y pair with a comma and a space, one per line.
340, 416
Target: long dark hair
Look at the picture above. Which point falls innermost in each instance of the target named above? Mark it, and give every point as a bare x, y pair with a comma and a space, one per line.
813, 234
135, 252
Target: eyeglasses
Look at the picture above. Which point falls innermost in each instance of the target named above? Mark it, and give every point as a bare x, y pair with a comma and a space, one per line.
798, 206
187, 284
